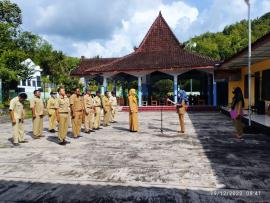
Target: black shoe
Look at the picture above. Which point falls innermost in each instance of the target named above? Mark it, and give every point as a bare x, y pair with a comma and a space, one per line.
16, 144
92, 131
88, 132
62, 143
66, 142
99, 128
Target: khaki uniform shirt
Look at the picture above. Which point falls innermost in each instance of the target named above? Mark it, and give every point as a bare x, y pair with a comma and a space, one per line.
97, 101
62, 104
51, 104
38, 106
17, 107
88, 103
113, 101
76, 102
106, 103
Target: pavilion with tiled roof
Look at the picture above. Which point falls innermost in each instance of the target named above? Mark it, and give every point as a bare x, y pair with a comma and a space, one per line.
160, 51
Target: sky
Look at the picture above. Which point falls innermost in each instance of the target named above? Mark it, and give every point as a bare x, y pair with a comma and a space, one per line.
111, 28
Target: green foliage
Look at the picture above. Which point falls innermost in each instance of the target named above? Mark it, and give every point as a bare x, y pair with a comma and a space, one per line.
10, 13
232, 39
162, 88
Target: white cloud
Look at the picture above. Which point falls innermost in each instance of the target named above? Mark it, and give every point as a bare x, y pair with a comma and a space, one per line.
111, 28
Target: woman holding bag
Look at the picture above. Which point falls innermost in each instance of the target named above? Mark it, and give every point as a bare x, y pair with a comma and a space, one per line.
238, 104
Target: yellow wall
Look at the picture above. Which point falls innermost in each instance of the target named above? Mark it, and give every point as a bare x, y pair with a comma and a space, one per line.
254, 68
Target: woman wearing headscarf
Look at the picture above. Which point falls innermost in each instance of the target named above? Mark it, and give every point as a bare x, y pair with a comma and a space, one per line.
238, 104
133, 111
181, 108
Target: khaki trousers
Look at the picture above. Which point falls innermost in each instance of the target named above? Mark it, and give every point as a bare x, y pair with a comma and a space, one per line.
107, 116
38, 126
113, 113
77, 124
18, 131
52, 120
133, 121
181, 121
63, 126
89, 121
97, 117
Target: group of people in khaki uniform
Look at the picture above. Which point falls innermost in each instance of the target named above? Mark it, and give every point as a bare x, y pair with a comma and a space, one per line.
78, 109
75, 109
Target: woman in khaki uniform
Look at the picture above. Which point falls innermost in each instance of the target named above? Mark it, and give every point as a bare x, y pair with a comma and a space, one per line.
133, 111
237, 105
181, 109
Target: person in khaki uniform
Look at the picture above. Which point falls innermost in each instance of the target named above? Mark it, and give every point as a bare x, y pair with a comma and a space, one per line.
106, 109
52, 111
16, 113
37, 106
113, 102
133, 111
77, 112
89, 112
62, 106
98, 107
181, 107
68, 94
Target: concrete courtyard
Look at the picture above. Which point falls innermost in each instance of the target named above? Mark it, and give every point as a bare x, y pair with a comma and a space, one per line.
206, 164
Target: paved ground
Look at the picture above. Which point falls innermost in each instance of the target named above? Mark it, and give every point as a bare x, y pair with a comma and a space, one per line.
112, 165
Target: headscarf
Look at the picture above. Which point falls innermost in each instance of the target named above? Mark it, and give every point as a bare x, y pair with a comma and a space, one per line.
132, 92
182, 95
238, 96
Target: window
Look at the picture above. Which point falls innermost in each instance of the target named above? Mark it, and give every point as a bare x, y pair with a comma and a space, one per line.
246, 87
34, 83
38, 81
28, 82
266, 84
24, 83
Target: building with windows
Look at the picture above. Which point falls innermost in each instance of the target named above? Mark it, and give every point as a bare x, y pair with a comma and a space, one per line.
34, 83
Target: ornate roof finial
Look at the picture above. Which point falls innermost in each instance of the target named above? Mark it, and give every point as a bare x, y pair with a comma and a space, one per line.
160, 13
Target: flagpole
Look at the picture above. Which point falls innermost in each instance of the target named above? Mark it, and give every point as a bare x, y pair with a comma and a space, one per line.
249, 64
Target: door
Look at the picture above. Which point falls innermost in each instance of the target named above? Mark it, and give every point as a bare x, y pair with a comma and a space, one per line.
257, 88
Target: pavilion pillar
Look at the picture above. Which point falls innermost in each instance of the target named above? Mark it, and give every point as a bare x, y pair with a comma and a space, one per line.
140, 90
104, 88
175, 82
214, 92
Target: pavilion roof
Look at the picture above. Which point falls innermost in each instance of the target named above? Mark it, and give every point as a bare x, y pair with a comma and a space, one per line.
87, 63
159, 50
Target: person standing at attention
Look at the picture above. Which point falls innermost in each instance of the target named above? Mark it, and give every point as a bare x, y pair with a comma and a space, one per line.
16, 112
62, 111
98, 106
238, 104
133, 111
106, 109
89, 112
37, 107
77, 108
113, 101
52, 111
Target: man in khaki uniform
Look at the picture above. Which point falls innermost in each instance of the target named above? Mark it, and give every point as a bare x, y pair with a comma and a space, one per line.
113, 102
62, 106
16, 113
68, 94
106, 109
77, 108
89, 112
98, 107
51, 107
37, 106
